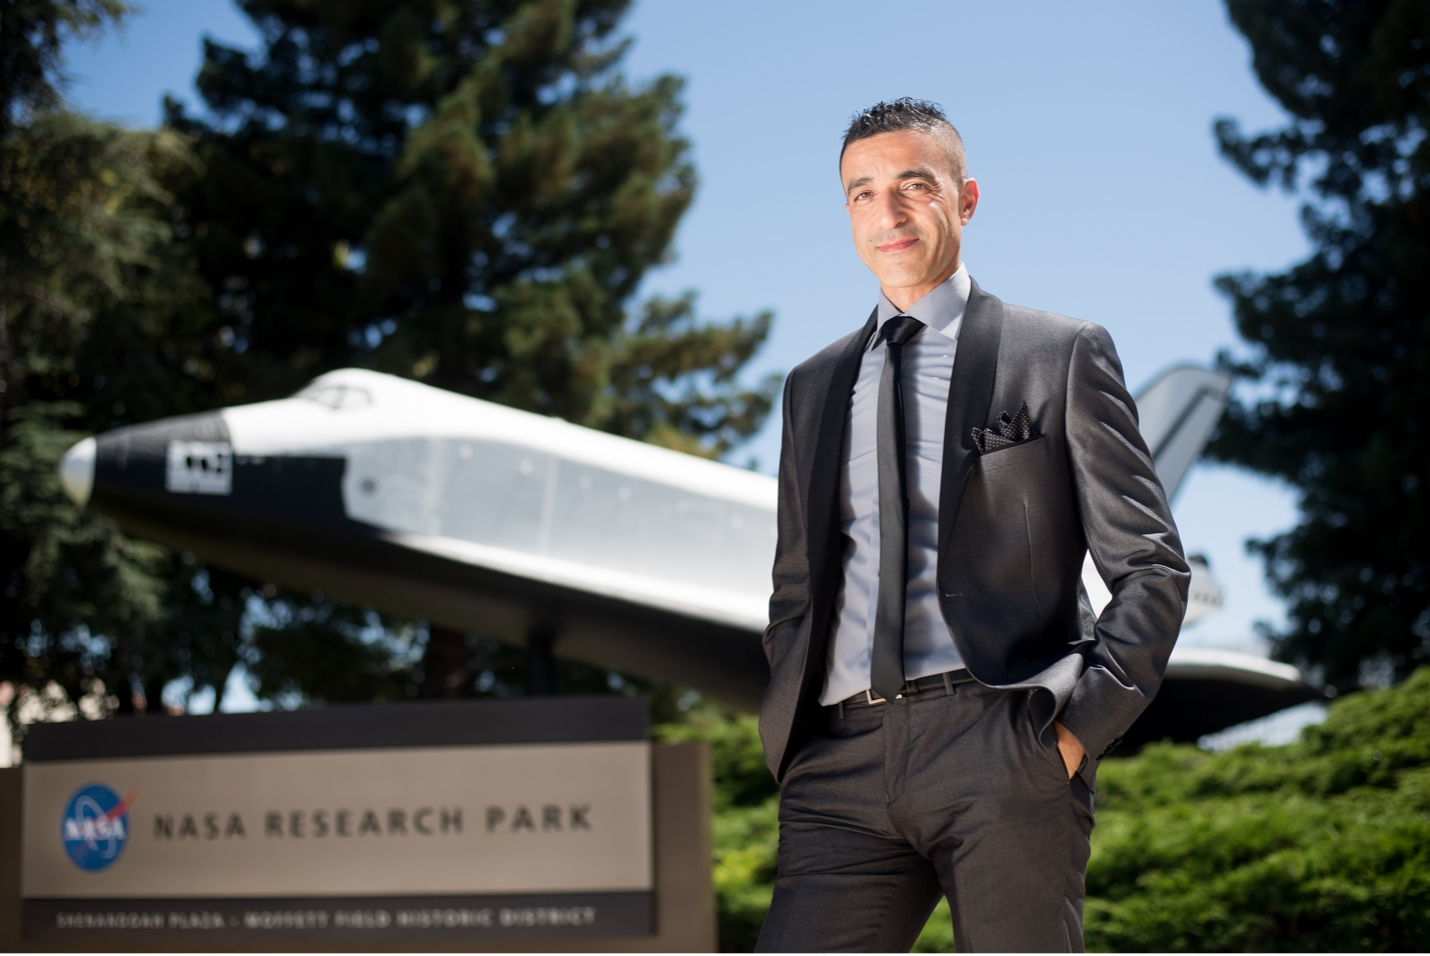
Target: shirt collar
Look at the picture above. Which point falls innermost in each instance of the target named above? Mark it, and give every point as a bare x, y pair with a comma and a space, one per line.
941, 309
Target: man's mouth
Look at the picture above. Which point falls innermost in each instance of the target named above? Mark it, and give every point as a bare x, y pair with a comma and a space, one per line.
896, 245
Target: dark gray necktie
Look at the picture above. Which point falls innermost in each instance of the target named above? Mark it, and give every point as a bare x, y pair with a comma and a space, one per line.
887, 666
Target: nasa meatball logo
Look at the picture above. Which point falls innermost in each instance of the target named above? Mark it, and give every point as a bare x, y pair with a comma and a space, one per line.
96, 827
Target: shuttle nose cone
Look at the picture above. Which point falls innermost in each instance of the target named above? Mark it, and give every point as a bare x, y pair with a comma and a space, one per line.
77, 471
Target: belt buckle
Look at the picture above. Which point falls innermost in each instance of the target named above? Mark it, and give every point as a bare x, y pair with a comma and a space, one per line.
869, 697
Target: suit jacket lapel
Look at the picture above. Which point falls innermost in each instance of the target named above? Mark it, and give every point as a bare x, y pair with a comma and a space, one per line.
822, 489
970, 398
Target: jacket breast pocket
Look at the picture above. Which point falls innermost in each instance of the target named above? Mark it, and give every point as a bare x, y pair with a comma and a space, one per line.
1021, 453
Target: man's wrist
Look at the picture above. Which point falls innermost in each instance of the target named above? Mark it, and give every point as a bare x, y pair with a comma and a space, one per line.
1069, 745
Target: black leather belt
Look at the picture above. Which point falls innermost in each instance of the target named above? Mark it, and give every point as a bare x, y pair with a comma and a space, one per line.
919, 685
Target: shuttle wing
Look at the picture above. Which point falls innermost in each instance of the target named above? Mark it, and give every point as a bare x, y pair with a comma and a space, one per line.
1178, 412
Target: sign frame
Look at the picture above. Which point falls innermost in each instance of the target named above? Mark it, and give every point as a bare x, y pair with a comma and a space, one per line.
678, 915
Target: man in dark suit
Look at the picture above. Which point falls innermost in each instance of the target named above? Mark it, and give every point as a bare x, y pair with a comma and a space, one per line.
940, 691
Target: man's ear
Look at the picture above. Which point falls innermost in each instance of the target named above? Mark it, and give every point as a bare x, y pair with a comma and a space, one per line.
967, 200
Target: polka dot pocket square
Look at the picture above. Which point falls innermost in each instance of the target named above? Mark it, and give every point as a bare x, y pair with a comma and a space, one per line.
1007, 431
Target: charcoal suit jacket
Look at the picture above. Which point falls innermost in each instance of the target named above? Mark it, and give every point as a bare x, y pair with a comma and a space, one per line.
1014, 525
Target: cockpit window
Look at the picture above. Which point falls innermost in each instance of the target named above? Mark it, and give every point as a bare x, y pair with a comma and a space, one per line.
337, 397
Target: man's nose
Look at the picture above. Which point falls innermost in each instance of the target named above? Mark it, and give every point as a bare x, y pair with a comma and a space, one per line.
890, 210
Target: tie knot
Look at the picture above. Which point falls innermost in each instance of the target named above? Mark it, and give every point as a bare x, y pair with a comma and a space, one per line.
900, 329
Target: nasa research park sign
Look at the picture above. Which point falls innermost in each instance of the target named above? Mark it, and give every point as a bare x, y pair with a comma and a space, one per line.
376, 826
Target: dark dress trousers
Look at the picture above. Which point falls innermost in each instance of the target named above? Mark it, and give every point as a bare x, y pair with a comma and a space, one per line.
1013, 528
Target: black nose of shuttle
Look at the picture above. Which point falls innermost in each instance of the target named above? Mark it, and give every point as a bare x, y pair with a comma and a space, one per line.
158, 477
181, 479
143, 468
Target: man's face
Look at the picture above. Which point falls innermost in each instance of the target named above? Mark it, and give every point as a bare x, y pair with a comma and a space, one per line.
907, 211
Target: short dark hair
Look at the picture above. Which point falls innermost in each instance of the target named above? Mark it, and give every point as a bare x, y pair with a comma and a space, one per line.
907, 113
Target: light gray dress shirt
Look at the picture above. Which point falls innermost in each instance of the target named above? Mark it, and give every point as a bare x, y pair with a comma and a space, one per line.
927, 369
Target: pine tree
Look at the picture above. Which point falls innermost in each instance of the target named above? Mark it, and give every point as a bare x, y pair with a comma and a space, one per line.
467, 193
1340, 343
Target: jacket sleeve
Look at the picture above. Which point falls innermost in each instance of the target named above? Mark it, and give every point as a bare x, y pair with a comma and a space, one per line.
790, 600
1133, 542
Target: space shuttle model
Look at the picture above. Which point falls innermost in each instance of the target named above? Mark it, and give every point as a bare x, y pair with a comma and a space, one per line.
423, 502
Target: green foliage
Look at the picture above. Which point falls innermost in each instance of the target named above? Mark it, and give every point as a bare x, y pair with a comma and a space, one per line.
1321, 845
1340, 343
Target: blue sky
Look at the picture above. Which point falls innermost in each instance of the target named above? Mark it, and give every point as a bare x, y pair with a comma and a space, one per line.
1088, 127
